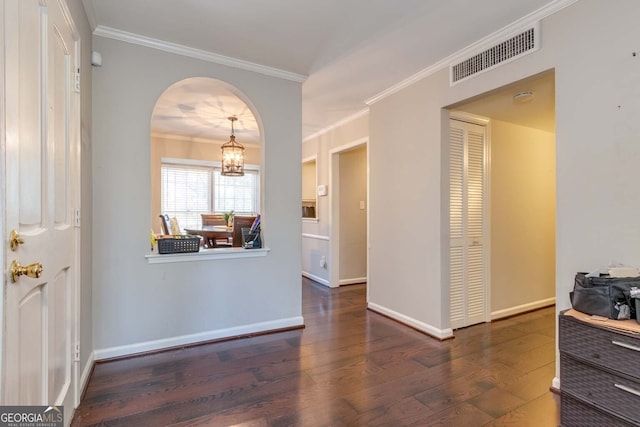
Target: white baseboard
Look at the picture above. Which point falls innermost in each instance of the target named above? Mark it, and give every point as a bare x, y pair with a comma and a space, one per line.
555, 383
421, 326
316, 278
142, 347
86, 372
352, 281
495, 315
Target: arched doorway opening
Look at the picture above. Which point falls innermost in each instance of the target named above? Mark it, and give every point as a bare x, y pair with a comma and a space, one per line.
189, 124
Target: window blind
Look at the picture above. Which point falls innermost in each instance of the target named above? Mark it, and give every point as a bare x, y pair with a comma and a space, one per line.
236, 193
187, 191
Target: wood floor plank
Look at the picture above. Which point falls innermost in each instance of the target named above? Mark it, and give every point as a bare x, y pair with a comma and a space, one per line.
533, 384
497, 402
462, 414
347, 367
402, 412
542, 411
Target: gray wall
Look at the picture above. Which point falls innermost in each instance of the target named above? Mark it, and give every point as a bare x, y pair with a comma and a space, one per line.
138, 305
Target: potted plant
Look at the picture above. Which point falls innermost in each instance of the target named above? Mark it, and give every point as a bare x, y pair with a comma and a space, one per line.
228, 218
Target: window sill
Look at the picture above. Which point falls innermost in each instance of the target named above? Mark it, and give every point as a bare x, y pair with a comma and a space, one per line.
310, 219
207, 255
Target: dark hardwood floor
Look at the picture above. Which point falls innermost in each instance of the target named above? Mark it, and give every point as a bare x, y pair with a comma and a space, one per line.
348, 367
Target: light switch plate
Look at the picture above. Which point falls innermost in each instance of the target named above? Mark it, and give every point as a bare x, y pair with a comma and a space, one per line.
322, 190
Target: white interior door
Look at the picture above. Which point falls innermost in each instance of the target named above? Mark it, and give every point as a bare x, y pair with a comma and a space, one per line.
467, 206
42, 188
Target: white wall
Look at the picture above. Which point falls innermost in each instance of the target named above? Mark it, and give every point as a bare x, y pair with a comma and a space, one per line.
405, 280
523, 239
590, 45
315, 239
137, 305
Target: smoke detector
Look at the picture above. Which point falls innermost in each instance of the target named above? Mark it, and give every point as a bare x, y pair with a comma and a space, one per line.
522, 97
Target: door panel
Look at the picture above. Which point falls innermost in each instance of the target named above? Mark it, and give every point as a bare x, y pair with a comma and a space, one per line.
60, 78
59, 339
29, 360
475, 225
30, 149
40, 115
456, 286
475, 287
456, 227
467, 282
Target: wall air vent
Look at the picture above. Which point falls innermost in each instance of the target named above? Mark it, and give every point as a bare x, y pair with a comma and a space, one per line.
514, 47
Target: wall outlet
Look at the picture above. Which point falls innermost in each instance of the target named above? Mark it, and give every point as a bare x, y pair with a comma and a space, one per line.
323, 262
361, 205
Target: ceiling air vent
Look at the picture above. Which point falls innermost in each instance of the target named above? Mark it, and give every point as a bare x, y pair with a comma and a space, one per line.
521, 44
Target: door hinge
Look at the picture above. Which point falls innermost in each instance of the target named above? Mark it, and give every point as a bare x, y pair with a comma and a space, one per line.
76, 217
76, 81
76, 352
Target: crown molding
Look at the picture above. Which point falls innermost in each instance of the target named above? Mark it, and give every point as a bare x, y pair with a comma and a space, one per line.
337, 124
478, 46
203, 55
200, 139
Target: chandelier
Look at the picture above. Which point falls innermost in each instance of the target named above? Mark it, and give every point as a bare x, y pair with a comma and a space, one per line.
232, 155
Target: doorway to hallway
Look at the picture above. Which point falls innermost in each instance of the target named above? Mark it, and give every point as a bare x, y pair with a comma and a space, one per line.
519, 196
348, 203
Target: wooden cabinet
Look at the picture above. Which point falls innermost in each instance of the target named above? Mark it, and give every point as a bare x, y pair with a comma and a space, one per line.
599, 375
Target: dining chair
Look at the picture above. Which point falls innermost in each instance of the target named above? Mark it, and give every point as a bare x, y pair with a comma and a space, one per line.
240, 222
216, 219
213, 219
164, 224
174, 226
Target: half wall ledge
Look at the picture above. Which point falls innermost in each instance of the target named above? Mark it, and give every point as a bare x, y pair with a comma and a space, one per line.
207, 255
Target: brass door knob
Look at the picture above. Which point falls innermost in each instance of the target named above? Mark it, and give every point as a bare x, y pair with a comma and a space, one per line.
32, 270
15, 240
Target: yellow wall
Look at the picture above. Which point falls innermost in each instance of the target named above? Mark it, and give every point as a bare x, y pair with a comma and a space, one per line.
309, 180
353, 220
523, 163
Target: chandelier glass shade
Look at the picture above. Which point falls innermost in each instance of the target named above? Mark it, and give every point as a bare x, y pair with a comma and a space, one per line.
232, 155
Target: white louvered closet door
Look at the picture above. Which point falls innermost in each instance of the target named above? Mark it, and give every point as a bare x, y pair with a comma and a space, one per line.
467, 191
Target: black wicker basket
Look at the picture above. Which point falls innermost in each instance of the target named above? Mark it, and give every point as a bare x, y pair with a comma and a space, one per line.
179, 244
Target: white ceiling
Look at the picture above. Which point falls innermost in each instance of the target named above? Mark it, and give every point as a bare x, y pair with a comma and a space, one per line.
200, 108
349, 50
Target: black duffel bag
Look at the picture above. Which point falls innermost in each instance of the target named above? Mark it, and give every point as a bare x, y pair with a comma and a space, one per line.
604, 296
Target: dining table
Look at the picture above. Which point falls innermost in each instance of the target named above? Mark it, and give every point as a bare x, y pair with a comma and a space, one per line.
212, 233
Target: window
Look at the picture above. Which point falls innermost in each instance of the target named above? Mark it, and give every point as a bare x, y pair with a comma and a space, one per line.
236, 193
189, 189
